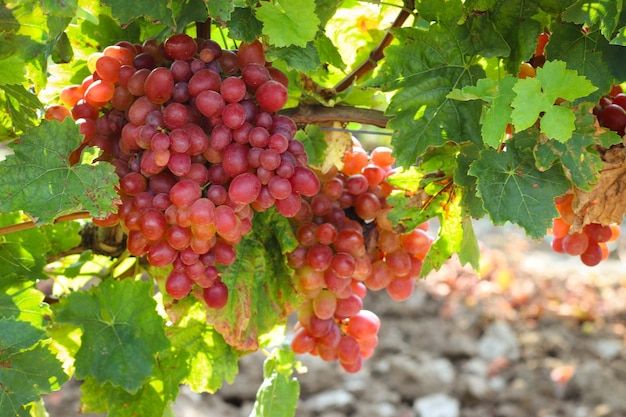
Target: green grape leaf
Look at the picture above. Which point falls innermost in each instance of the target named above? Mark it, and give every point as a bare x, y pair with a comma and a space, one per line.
104, 31
244, 25
221, 10
471, 201
498, 116
558, 123
261, 293
600, 13
445, 10
559, 82
446, 205
152, 399
314, 144
286, 23
27, 368
528, 103
469, 251
513, 189
512, 20
127, 11
39, 179
21, 106
620, 37
499, 95
301, 58
211, 361
22, 253
583, 54
116, 402
278, 394
486, 38
326, 9
122, 332
578, 156
23, 301
327, 51
12, 70
424, 68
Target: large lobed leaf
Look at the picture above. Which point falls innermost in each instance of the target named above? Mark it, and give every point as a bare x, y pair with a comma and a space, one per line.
513, 189
122, 332
39, 179
424, 68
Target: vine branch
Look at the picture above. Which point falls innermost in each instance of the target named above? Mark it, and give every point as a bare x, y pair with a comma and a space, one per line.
378, 53
5, 230
315, 114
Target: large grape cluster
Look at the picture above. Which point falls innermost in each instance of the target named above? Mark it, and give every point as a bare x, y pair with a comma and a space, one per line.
193, 133
347, 246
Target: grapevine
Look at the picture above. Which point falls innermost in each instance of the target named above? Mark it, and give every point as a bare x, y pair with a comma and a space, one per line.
210, 167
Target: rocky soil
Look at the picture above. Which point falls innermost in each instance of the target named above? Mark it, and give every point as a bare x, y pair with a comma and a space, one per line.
532, 334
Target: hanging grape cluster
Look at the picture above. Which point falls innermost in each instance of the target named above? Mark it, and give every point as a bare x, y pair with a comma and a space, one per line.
347, 246
194, 135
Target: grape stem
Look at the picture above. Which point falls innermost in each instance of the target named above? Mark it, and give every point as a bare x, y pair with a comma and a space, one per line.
5, 230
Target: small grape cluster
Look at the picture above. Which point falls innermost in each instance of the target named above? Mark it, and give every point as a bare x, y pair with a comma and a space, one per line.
347, 246
611, 110
194, 136
590, 243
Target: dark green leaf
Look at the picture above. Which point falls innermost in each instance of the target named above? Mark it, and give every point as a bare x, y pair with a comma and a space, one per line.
514, 190
513, 20
582, 54
27, 368
327, 51
62, 51
444, 10
486, 38
220, 10
244, 25
303, 59
127, 11
122, 332
424, 68
579, 157
39, 179
599, 14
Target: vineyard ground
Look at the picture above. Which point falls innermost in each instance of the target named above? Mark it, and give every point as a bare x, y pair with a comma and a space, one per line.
503, 345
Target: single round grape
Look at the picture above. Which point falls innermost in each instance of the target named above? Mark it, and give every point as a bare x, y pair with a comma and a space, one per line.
159, 85
575, 244
244, 188
380, 276
180, 46
324, 305
178, 285
161, 254
184, 193
271, 96
216, 296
